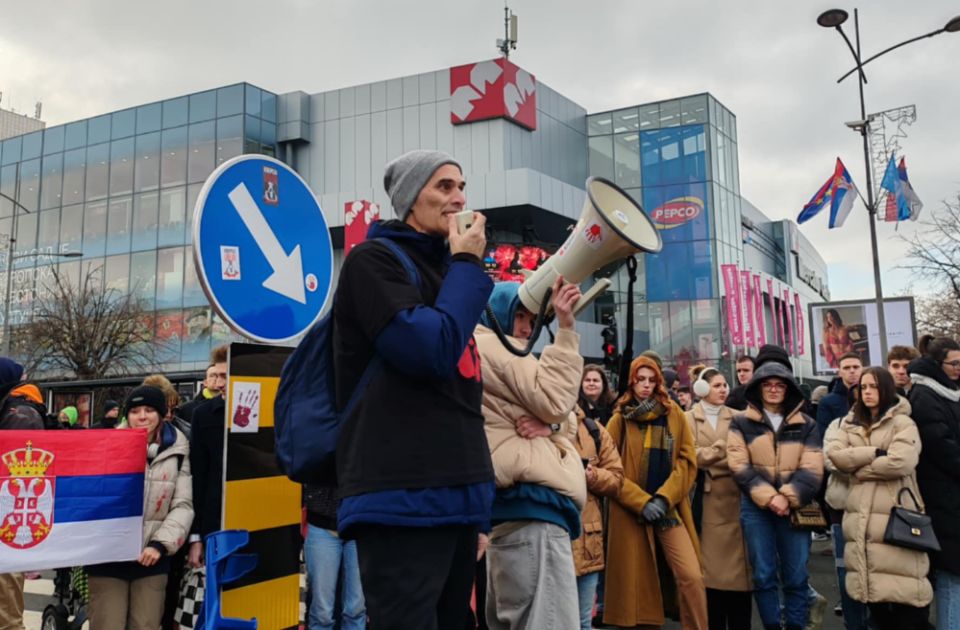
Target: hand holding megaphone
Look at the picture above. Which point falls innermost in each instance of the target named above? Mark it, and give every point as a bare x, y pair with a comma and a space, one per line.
564, 299
472, 240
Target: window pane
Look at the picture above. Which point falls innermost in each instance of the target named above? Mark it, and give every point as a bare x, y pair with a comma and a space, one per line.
121, 167
268, 134
171, 217
98, 167
32, 143
192, 292
694, 153
625, 120
202, 156
173, 157
196, 337
8, 186
148, 118
147, 174
123, 123
670, 114
76, 135
693, 109
626, 149
143, 276
230, 101
681, 331
119, 221
193, 192
167, 336
71, 228
94, 229
30, 184
650, 116
98, 130
49, 234
74, 172
53, 140
229, 138
22, 296
26, 239
659, 328
599, 124
268, 107
117, 273
650, 157
601, 156
175, 112
145, 221
50, 193
11, 150
170, 278
203, 106
251, 134
252, 99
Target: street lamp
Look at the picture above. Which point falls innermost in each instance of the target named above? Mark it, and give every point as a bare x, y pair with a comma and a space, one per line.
5, 348
834, 18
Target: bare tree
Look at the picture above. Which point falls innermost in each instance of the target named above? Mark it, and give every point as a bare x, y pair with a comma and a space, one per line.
934, 257
87, 330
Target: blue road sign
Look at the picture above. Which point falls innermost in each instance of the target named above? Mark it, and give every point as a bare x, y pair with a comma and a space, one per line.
262, 248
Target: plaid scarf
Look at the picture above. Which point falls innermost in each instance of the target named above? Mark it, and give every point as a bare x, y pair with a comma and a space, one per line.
656, 459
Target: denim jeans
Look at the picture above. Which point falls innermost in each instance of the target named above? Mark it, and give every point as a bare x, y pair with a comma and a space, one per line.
947, 591
332, 561
855, 614
586, 592
776, 549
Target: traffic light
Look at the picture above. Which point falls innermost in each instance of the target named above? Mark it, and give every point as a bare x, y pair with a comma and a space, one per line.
611, 356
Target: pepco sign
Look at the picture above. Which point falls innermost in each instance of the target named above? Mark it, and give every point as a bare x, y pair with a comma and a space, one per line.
676, 212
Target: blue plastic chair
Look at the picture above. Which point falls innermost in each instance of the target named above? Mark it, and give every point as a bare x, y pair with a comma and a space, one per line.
224, 566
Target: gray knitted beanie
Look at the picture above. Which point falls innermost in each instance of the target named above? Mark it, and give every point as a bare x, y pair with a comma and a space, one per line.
406, 176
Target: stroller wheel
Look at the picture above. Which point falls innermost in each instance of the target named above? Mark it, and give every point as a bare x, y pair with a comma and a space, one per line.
55, 617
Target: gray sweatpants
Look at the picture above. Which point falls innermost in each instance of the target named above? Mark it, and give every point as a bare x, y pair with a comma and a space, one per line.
531, 581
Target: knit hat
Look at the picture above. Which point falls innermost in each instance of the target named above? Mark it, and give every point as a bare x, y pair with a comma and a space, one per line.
652, 354
10, 371
146, 396
71, 413
109, 406
406, 176
770, 352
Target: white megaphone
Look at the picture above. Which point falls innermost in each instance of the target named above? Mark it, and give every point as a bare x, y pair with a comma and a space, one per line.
612, 226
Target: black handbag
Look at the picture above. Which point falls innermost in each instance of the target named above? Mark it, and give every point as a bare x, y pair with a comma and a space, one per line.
909, 528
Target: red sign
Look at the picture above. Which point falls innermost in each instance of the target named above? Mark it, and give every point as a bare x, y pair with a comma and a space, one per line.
357, 217
676, 212
493, 89
508, 262
731, 285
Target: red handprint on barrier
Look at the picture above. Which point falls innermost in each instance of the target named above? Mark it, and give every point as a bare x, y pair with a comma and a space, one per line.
246, 405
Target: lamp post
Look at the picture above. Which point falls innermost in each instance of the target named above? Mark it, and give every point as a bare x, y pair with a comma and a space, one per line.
5, 348
834, 18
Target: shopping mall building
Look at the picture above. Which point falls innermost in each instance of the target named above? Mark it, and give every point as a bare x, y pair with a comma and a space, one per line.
121, 188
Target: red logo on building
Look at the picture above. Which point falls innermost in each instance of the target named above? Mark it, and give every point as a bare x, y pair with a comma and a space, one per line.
357, 217
676, 212
493, 89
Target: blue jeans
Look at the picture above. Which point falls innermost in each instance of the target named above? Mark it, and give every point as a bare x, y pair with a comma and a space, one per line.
947, 591
332, 561
774, 547
855, 614
586, 592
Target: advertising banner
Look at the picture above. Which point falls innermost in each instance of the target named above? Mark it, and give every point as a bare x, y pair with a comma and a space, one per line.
746, 309
840, 327
791, 344
357, 217
801, 338
759, 323
731, 284
507, 262
777, 332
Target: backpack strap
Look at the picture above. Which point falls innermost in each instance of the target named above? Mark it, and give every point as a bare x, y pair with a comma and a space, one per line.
593, 430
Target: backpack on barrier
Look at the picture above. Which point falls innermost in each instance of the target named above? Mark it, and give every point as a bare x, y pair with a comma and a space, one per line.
306, 419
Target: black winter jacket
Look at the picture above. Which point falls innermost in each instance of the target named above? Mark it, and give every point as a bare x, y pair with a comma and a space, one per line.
206, 465
834, 405
937, 414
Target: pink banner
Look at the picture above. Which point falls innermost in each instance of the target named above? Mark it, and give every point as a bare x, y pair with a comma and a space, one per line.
759, 323
746, 306
791, 339
778, 328
731, 284
801, 341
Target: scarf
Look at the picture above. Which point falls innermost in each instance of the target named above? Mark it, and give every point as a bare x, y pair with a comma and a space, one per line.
944, 392
656, 458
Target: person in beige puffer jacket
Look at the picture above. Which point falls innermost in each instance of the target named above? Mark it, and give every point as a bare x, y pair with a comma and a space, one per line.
131, 594
878, 446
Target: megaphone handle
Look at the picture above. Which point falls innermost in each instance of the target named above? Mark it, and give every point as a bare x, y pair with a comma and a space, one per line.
537, 329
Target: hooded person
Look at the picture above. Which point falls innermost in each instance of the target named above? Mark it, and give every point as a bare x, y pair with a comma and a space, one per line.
68, 417
773, 450
530, 422
111, 416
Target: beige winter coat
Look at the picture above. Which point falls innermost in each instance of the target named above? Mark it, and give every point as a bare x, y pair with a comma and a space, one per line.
545, 389
877, 572
838, 482
168, 496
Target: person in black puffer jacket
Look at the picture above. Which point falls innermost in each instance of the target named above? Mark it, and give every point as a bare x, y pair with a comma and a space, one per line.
935, 398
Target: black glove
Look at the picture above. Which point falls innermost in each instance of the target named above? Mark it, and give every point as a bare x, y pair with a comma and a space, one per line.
655, 509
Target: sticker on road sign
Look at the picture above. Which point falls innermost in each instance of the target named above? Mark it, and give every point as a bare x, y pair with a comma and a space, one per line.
271, 189
229, 262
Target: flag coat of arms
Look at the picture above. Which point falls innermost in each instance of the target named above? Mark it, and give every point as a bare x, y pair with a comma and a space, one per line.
70, 498
839, 191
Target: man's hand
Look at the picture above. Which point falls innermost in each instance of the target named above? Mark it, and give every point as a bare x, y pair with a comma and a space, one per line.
529, 427
591, 474
779, 505
482, 541
473, 241
195, 555
563, 299
149, 557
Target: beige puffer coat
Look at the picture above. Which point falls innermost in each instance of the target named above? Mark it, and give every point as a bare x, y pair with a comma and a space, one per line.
545, 389
168, 496
877, 572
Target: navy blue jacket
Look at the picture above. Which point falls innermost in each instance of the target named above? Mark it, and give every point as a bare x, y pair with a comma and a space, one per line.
834, 405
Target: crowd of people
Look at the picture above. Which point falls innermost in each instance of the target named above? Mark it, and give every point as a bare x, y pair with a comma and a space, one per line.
481, 486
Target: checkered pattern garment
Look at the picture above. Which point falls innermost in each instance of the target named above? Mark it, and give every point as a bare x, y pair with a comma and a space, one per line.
191, 598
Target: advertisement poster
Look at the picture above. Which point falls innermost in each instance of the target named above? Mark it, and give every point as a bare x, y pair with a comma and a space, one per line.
840, 327
759, 321
776, 330
791, 329
746, 310
731, 285
801, 336
507, 262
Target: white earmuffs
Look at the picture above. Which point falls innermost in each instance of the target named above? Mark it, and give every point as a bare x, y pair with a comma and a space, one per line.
700, 387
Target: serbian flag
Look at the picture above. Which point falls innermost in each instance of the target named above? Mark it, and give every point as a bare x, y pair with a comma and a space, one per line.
70, 498
838, 191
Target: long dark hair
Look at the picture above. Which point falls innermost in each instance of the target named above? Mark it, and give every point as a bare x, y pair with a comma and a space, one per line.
835, 314
607, 397
937, 348
888, 396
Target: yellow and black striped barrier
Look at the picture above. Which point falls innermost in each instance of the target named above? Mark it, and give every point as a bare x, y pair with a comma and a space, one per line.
257, 496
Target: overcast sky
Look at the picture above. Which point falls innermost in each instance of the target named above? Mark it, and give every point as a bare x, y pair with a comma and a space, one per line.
768, 62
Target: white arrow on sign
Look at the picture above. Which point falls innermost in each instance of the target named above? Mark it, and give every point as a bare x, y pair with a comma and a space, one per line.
287, 276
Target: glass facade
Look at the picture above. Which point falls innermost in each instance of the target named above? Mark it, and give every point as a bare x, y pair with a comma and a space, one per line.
120, 188
678, 159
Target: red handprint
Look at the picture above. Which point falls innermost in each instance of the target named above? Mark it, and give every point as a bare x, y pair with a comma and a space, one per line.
245, 405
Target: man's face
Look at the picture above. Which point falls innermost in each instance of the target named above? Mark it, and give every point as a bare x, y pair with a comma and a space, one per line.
898, 370
219, 377
113, 413
210, 381
744, 372
441, 197
850, 371
685, 399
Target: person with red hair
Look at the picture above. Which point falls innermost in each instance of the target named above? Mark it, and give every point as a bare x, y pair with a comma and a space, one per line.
653, 509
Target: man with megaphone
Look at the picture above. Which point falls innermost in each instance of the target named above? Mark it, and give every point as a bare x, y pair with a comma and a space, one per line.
528, 409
